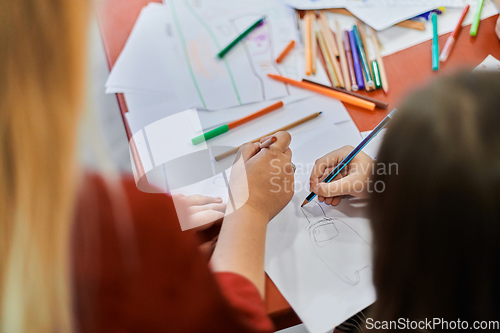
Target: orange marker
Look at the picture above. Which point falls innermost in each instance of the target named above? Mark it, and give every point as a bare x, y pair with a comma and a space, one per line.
285, 52
325, 91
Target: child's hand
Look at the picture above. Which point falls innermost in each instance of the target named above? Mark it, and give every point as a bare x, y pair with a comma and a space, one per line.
263, 179
352, 180
198, 212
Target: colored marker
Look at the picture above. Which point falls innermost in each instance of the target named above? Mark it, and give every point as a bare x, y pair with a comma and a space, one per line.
341, 96
352, 154
477, 18
350, 65
376, 75
222, 53
356, 64
451, 40
435, 43
226, 127
362, 55
285, 52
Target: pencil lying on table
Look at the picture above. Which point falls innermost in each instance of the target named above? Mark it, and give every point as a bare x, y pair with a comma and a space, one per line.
284, 128
226, 127
341, 96
307, 46
342, 57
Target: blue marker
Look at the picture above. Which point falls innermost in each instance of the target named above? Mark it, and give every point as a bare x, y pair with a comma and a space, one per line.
356, 61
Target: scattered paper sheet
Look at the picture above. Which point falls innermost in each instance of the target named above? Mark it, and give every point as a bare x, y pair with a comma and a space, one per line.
318, 256
395, 39
323, 4
172, 51
378, 14
489, 64
372, 148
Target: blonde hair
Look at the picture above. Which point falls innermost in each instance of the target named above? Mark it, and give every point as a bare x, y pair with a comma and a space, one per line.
42, 57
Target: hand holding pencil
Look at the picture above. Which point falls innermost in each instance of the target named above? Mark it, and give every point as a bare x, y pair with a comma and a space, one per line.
262, 178
351, 181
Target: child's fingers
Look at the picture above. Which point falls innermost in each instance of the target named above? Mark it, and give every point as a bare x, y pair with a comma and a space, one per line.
198, 200
219, 207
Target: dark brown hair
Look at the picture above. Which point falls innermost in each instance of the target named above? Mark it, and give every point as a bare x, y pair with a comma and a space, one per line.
436, 226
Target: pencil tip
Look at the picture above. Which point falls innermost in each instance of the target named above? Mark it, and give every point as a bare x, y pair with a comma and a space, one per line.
304, 203
320, 112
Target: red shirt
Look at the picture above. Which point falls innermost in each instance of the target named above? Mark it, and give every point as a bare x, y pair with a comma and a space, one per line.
134, 270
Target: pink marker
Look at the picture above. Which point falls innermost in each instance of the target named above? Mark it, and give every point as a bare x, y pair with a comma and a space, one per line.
451, 40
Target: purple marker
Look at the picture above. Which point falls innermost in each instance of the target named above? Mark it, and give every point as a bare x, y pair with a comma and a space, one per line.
348, 54
357, 64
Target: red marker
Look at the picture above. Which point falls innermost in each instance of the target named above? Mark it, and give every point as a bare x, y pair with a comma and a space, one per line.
451, 40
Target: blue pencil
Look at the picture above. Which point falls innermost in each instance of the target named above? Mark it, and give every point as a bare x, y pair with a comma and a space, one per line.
352, 154
356, 62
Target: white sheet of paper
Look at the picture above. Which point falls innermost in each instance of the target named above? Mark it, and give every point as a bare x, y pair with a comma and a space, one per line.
319, 257
323, 4
372, 148
489, 64
378, 14
172, 51
170, 137
395, 39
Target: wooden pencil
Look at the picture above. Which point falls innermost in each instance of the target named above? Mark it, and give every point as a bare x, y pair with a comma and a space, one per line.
378, 104
284, 128
343, 58
307, 46
331, 46
314, 45
329, 40
327, 59
380, 62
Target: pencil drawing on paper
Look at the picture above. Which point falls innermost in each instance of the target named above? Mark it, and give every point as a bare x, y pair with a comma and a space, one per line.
331, 238
202, 29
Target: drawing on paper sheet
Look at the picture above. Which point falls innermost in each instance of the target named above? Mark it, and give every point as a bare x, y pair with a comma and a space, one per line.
220, 181
203, 29
329, 236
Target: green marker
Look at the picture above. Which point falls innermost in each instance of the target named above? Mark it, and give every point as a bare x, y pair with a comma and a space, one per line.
210, 134
376, 74
222, 53
229, 126
435, 42
477, 18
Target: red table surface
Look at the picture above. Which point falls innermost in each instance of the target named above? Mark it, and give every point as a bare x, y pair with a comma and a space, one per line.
406, 71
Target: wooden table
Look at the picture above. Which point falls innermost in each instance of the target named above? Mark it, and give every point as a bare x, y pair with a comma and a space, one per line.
406, 71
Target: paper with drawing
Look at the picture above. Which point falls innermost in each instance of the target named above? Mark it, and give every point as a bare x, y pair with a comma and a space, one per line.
319, 256
172, 51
